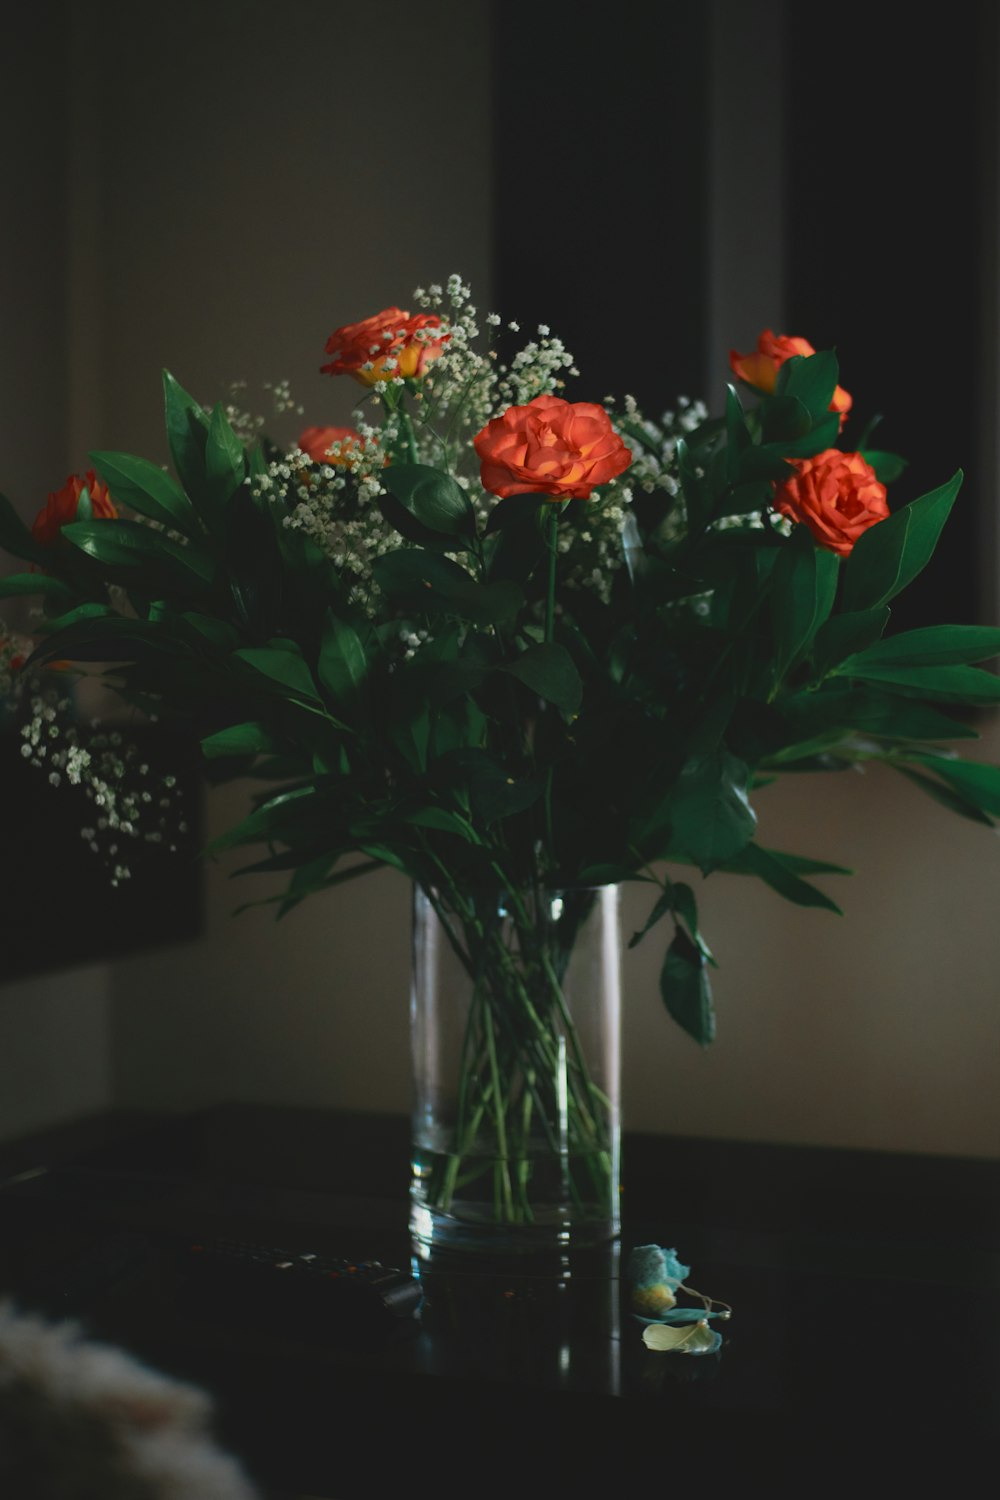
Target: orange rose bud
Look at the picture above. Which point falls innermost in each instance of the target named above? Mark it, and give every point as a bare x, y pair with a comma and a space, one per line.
836, 495
550, 447
363, 349
62, 506
760, 368
316, 443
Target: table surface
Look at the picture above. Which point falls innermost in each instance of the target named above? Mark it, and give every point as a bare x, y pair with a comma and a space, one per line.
865, 1289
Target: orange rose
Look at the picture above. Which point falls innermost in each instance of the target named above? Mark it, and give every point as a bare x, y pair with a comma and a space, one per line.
62, 507
550, 447
317, 442
390, 335
836, 495
760, 369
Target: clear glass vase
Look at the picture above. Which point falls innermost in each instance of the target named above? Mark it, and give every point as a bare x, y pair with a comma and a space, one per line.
515, 1011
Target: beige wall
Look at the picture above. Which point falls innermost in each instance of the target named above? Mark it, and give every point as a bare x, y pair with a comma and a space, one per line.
229, 242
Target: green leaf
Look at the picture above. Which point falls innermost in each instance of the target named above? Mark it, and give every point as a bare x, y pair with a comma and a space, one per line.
285, 818
811, 379
492, 793
686, 907
885, 714
433, 498
218, 633
950, 684
888, 466
804, 584
102, 637
17, 539
820, 437
55, 591
146, 488
187, 435
974, 780
132, 546
252, 738
890, 554
933, 645
443, 821
343, 664
282, 666
686, 991
549, 671
845, 634
949, 798
225, 466
760, 862
430, 584
518, 511
710, 814
252, 558
663, 905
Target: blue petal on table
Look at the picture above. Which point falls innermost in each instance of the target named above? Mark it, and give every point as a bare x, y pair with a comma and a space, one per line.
651, 1265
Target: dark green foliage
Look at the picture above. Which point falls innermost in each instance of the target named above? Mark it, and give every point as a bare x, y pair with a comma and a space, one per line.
517, 745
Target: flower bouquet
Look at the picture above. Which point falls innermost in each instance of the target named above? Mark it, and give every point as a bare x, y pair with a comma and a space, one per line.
426, 639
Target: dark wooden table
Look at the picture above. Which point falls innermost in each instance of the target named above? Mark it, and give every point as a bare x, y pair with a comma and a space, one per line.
866, 1330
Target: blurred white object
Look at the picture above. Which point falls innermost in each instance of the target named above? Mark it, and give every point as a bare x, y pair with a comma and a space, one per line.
79, 1419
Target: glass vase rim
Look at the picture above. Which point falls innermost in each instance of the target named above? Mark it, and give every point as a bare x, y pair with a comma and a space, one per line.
557, 889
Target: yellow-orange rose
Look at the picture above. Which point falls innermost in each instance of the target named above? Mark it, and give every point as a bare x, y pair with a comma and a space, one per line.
550, 447
760, 367
836, 495
62, 505
362, 349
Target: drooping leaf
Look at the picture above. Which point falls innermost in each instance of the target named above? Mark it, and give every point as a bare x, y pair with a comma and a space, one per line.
686, 991
974, 780
889, 555
757, 861
663, 904
948, 796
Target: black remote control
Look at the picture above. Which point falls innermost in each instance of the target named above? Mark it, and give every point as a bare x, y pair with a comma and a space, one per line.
302, 1291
